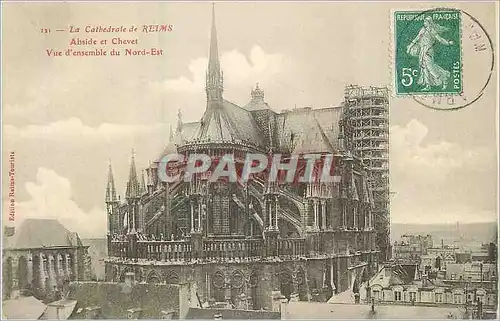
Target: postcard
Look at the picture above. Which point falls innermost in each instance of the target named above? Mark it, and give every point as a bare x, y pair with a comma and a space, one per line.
249, 160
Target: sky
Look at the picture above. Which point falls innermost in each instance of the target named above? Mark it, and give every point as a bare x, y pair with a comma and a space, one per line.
65, 118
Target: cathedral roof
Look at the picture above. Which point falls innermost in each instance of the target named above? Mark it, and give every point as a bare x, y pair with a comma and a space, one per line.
303, 130
299, 131
255, 105
187, 132
228, 122
328, 120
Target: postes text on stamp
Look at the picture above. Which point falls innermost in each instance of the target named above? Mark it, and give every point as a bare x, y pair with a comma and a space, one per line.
428, 53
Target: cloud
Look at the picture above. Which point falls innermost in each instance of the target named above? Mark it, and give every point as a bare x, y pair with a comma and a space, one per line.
411, 156
237, 68
51, 197
197, 68
74, 128
437, 182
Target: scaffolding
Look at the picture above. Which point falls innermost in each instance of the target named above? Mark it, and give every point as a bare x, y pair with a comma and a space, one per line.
368, 112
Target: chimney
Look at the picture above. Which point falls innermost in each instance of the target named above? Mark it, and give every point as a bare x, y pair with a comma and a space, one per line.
442, 243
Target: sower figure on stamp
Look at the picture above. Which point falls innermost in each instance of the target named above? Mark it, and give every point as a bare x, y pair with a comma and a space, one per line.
431, 74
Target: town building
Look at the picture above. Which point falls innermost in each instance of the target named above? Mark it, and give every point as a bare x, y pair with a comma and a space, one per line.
259, 238
412, 247
40, 256
403, 284
473, 271
437, 258
444, 250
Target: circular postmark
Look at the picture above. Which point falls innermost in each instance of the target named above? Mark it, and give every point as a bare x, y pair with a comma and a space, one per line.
446, 79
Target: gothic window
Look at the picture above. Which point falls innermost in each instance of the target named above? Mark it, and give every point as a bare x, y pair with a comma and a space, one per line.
171, 278
237, 279
218, 279
153, 278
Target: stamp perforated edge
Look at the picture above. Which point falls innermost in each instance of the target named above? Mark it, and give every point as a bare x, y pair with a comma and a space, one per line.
392, 54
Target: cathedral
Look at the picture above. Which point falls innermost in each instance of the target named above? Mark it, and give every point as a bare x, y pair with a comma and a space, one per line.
247, 245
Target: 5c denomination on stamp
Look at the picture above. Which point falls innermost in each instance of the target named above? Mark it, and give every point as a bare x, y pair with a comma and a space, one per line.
428, 55
443, 58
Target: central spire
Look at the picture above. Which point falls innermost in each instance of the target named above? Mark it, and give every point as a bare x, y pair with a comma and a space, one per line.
214, 81
214, 50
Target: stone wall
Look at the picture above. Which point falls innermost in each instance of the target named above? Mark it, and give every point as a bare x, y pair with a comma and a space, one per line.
115, 299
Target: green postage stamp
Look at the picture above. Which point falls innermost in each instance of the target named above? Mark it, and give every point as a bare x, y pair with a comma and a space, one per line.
428, 53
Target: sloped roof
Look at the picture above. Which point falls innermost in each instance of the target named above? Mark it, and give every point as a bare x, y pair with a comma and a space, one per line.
38, 233
300, 132
328, 119
189, 130
406, 272
401, 274
345, 297
244, 122
228, 122
23, 308
256, 104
